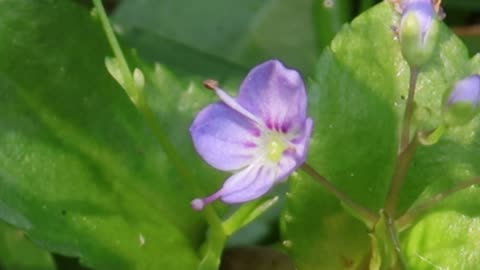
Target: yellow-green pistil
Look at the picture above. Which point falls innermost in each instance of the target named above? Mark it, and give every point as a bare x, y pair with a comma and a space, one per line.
275, 146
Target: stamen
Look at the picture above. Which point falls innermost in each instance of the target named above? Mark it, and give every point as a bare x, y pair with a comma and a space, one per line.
210, 84
231, 102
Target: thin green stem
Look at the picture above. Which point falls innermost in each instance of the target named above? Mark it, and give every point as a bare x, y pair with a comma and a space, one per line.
117, 51
406, 150
409, 108
367, 216
400, 171
411, 215
139, 101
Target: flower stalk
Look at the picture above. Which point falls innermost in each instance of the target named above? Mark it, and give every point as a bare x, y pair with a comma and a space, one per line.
400, 171
135, 95
412, 214
409, 108
406, 149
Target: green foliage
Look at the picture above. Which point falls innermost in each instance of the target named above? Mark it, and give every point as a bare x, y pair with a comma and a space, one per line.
80, 171
357, 99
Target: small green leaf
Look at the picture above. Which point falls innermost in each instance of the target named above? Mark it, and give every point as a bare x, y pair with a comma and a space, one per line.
113, 67
138, 78
247, 213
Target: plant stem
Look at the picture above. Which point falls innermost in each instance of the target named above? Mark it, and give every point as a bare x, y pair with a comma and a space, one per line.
392, 234
398, 178
409, 108
132, 92
215, 243
406, 150
138, 99
411, 215
367, 216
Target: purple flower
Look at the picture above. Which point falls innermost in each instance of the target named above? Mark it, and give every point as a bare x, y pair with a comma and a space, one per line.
466, 90
261, 136
423, 11
462, 104
419, 30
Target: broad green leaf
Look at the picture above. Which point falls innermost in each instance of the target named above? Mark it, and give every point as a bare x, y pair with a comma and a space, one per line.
255, 31
357, 99
17, 252
447, 237
80, 171
318, 234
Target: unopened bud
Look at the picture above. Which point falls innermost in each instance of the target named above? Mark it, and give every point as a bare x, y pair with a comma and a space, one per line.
418, 31
462, 102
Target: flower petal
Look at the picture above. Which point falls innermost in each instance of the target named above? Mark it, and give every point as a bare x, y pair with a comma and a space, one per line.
302, 140
248, 184
292, 159
276, 95
424, 12
224, 138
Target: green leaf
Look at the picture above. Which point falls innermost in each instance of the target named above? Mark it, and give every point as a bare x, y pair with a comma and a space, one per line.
447, 237
256, 31
353, 144
318, 234
17, 252
80, 171
247, 213
357, 98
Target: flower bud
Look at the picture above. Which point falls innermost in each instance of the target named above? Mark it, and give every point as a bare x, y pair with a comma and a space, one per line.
419, 31
462, 102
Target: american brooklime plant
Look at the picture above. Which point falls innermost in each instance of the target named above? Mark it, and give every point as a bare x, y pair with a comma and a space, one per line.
227, 134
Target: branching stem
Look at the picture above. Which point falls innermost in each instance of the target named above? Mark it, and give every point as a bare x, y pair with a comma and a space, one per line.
411, 215
406, 150
398, 178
